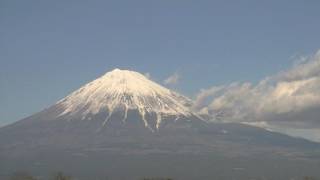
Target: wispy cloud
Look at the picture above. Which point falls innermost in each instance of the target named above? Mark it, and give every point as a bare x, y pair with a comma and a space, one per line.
288, 99
147, 75
172, 79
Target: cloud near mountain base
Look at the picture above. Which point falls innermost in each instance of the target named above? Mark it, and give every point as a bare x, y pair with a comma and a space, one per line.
288, 99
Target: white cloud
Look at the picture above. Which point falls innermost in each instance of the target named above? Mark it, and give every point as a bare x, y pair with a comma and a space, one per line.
308, 67
173, 79
206, 95
290, 99
147, 75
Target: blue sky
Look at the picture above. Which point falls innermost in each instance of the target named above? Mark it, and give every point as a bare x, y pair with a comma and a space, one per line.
50, 48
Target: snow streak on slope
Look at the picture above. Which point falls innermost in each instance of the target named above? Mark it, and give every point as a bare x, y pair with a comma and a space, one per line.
123, 90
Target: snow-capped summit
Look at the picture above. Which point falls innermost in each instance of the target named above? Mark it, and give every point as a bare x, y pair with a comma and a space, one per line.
123, 90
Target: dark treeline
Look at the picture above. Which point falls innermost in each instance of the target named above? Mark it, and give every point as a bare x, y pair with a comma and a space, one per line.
62, 176
27, 176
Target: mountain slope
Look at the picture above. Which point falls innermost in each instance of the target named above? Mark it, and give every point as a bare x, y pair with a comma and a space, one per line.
124, 114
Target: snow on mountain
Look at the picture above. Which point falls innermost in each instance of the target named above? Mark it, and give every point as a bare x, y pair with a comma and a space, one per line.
123, 90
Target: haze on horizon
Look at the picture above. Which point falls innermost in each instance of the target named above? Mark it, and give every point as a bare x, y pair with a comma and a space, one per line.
254, 62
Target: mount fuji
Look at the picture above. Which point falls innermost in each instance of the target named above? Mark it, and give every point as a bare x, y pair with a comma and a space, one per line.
125, 125
121, 91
